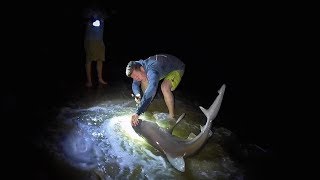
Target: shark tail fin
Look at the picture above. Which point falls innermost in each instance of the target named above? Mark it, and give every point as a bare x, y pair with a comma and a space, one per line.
214, 108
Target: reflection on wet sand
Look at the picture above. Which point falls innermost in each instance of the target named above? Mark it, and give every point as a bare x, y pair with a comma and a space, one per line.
92, 134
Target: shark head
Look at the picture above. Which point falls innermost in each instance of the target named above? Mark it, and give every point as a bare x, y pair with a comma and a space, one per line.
138, 128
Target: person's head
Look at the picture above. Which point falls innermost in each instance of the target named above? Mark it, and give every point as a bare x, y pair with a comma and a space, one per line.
136, 71
94, 11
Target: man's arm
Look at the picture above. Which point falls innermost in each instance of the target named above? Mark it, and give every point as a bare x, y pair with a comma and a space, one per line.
153, 81
136, 87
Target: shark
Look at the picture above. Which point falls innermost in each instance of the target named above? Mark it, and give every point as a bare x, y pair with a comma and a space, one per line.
175, 148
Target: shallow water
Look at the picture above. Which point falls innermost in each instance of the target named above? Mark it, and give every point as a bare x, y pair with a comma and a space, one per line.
93, 134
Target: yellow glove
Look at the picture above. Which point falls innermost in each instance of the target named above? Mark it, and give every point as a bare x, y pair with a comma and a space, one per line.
137, 98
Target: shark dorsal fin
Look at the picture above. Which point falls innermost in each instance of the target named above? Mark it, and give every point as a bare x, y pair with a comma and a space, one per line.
170, 130
191, 136
177, 162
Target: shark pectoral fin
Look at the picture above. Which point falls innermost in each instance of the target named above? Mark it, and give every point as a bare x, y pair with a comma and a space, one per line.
177, 162
191, 136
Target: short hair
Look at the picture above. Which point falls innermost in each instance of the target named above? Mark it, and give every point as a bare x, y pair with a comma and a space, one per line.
132, 65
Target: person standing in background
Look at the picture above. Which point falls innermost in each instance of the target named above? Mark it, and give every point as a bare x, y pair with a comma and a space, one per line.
93, 44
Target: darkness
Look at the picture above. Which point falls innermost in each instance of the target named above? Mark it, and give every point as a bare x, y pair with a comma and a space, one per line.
233, 44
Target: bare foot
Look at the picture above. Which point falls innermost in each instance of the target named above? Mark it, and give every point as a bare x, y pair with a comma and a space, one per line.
101, 81
171, 116
171, 122
88, 84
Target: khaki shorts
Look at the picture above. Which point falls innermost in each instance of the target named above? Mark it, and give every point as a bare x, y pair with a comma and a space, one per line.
174, 77
95, 50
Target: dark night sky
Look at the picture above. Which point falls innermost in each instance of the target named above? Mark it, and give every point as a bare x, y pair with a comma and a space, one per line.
232, 44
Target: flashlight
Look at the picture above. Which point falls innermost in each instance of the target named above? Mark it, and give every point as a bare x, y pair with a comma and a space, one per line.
96, 23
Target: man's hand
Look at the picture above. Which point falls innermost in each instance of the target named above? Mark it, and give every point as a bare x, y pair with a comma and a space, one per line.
137, 98
134, 119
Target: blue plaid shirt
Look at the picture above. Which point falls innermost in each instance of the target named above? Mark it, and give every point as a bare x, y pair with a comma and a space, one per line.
157, 67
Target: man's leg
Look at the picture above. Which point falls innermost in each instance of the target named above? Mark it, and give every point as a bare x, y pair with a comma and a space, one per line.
99, 70
168, 96
168, 85
88, 73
